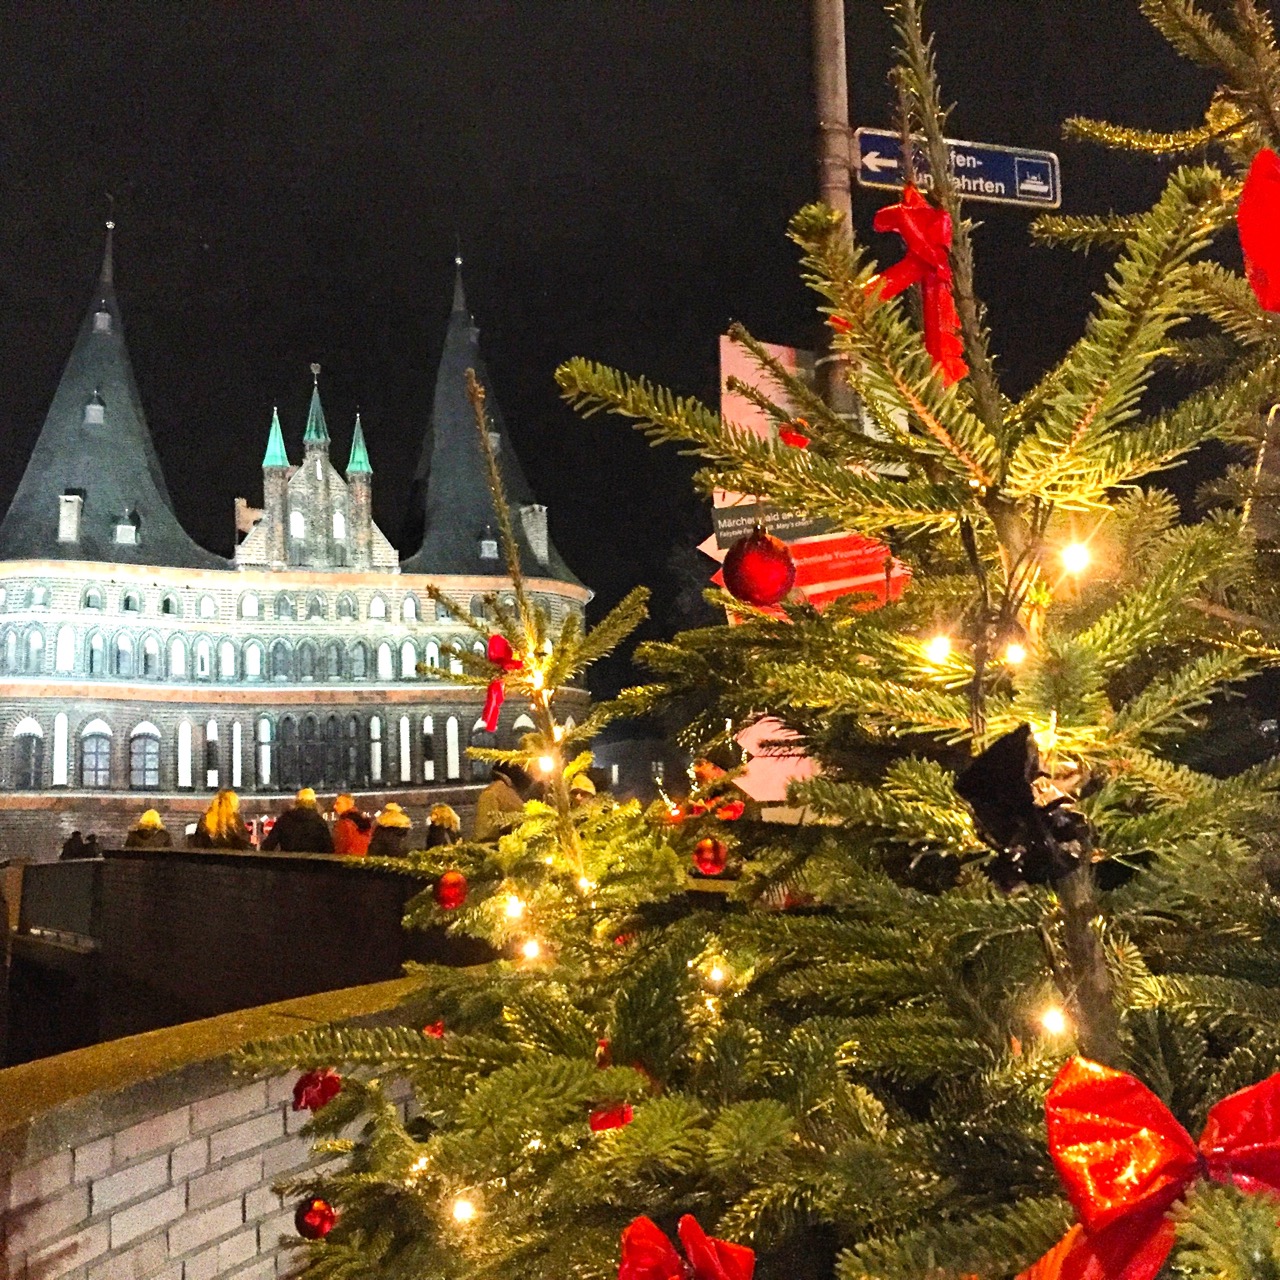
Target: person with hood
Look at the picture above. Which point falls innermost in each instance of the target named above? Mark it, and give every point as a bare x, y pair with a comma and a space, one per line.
391, 835
300, 828
352, 828
149, 833
221, 826
500, 802
443, 827
72, 848
581, 790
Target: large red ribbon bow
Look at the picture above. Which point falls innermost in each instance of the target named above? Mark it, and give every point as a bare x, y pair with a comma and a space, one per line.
1258, 222
500, 653
927, 231
1125, 1160
647, 1254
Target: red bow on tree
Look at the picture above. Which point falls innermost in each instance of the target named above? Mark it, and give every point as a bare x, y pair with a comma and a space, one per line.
1258, 222
647, 1254
501, 655
1124, 1160
927, 231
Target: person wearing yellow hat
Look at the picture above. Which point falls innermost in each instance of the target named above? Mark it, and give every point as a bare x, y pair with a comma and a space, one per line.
444, 827
581, 789
300, 828
391, 835
149, 833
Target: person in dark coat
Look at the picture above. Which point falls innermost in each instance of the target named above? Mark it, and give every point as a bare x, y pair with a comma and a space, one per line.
72, 848
300, 828
352, 829
443, 827
221, 826
391, 835
150, 833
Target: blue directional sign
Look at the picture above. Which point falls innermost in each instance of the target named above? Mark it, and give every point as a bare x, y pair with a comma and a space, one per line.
981, 171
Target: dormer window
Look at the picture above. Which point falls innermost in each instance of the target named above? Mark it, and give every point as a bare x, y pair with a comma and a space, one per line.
126, 532
102, 320
69, 505
488, 544
495, 442
95, 412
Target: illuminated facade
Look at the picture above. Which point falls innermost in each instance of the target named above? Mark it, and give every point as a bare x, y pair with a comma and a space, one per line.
139, 670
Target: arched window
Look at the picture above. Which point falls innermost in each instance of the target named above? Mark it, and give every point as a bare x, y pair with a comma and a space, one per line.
333, 661
184, 754
478, 648
40, 597
285, 611
290, 760
11, 651
334, 774
312, 753
359, 660
226, 660
35, 651
265, 736
347, 610
208, 607
144, 757
386, 666
306, 661
151, 658
375, 749
452, 755
61, 750
64, 652
431, 654
253, 660
212, 756
237, 755
406, 751
377, 608
479, 607
297, 525
455, 660
95, 755
92, 599
131, 602
442, 612
204, 659
177, 659
428, 749
339, 527
95, 652
316, 607
408, 660
355, 771
28, 755
281, 661
481, 737
171, 607
521, 725
409, 609
123, 658
250, 605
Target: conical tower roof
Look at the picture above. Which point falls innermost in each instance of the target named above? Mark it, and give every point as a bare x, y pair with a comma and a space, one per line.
449, 502
275, 455
317, 431
95, 442
358, 462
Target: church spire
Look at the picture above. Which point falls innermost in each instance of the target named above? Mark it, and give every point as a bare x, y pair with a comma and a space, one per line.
317, 431
358, 462
275, 455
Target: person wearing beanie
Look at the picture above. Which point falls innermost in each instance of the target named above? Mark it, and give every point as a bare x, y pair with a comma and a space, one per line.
300, 828
443, 827
391, 835
581, 789
352, 828
149, 833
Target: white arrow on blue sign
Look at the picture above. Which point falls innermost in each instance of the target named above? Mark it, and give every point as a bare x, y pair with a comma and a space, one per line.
980, 170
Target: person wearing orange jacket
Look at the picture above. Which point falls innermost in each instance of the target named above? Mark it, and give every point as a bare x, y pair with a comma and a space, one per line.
352, 829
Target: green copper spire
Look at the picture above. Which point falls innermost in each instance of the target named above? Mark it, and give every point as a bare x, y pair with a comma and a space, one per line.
358, 463
317, 431
275, 455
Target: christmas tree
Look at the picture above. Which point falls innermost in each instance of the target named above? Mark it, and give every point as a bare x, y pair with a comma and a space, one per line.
841, 1057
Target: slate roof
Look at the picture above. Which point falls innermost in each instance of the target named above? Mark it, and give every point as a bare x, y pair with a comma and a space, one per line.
113, 464
449, 499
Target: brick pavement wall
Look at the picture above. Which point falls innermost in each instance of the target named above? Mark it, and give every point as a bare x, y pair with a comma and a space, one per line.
171, 1179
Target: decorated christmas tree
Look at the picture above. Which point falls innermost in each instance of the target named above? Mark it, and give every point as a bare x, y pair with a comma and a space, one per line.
833, 1047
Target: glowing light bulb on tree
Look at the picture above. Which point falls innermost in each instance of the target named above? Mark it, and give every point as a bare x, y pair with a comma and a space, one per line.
715, 975
1075, 557
514, 908
464, 1210
546, 764
1054, 1020
1015, 654
938, 649
532, 949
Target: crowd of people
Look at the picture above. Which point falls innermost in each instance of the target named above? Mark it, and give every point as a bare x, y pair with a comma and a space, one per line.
303, 828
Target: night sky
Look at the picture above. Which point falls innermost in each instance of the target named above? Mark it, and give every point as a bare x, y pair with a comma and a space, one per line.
289, 180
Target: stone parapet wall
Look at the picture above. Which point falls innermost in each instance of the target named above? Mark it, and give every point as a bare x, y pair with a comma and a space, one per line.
148, 1157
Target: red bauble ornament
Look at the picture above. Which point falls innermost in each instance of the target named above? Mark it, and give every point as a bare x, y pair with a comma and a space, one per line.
314, 1218
451, 890
759, 569
731, 810
617, 1116
710, 856
434, 1029
316, 1089
793, 433
1259, 224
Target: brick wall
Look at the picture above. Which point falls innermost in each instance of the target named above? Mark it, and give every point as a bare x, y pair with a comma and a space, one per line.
168, 1177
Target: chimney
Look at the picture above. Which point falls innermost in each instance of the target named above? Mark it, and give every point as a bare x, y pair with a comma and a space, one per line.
533, 518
